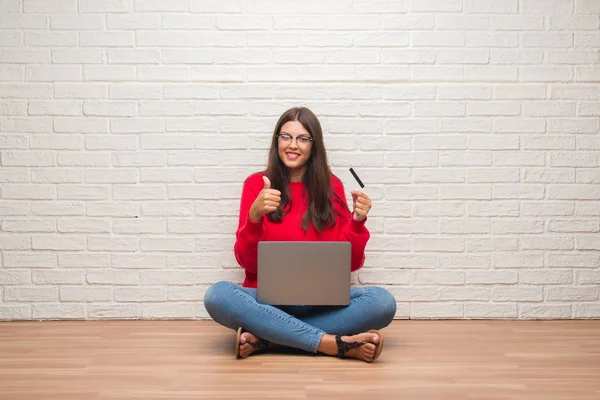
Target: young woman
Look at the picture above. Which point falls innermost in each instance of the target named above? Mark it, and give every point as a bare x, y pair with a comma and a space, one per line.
298, 199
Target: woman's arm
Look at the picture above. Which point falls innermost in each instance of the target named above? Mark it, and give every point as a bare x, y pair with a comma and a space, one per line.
350, 230
248, 233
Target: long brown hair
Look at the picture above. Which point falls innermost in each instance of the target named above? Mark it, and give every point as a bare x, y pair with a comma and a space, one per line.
317, 177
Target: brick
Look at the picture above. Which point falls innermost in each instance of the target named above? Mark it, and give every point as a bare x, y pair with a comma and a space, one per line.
31, 225
88, 225
491, 311
57, 208
587, 277
60, 311
111, 277
110, 109
521, 226
15, 277
532, 260
82, 192
435, 175
545, 311
494, 209
139, 294
437, 39
587, 7
464, 226
588, 242
83, 91
520, 293
547, 209
167, 244
464, 293
56, 7
586, 310
572, 293
162, 73
180, 175
438, 209
491, 277
158, 6
12, 39
466, 191
136, 125
29, 192
492, 39
493, 175
139, 158
53, 73
14, 175
84, 159
67, 277
108, 73
436, 310
139, 226
570, 260
83, 261
492, 244
139, 192
105, 6
85, 294
14, 242
168, 277
77, 22
167, 311
30, 293
57, 242
467, 158
587, 208
437, 278
168, 209
14, 313
106, 39
29, 260
77, 56
234, 22
160, 108
115, 311
133, 56
142, 261
10, 6
544, 277
410, 226
446, 244
573, 226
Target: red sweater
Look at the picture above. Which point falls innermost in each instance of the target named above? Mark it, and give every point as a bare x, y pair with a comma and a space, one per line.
249, 233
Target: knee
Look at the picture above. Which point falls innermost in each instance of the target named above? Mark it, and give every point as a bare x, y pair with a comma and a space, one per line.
214, 297
385, 304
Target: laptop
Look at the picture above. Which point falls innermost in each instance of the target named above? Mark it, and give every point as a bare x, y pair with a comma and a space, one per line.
304, 273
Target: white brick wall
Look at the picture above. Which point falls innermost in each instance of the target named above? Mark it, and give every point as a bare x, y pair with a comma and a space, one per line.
127, 127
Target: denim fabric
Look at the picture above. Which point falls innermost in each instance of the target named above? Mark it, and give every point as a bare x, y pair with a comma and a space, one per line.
300, 327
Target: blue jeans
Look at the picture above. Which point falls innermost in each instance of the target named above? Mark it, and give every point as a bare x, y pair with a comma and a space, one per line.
300, 327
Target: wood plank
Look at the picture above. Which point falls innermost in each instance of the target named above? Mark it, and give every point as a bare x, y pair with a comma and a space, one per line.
491, 360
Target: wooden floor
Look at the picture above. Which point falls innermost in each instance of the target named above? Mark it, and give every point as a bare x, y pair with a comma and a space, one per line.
440, 360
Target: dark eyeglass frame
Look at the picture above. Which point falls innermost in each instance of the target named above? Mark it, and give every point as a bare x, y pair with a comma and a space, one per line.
304, 139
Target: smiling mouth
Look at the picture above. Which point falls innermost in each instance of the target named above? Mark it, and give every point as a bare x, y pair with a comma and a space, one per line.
292, 156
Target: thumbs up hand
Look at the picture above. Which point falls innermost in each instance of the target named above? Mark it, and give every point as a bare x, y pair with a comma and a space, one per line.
267, 201
361, 205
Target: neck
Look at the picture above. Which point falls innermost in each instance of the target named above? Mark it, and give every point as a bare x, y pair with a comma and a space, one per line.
297, 175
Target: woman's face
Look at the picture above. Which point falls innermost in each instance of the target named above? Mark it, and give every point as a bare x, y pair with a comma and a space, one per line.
294, 146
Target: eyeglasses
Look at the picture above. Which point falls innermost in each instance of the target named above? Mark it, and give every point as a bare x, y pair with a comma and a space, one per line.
303, 139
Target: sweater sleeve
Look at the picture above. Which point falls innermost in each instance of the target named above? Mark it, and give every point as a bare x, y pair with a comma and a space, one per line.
350, 230
248, 233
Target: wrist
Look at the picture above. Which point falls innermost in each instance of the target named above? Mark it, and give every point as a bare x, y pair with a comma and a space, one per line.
254, 217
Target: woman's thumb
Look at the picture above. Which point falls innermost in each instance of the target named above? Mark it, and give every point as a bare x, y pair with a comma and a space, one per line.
267, 183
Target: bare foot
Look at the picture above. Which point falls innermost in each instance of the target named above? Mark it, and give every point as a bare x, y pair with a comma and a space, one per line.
246, 341
365, 352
